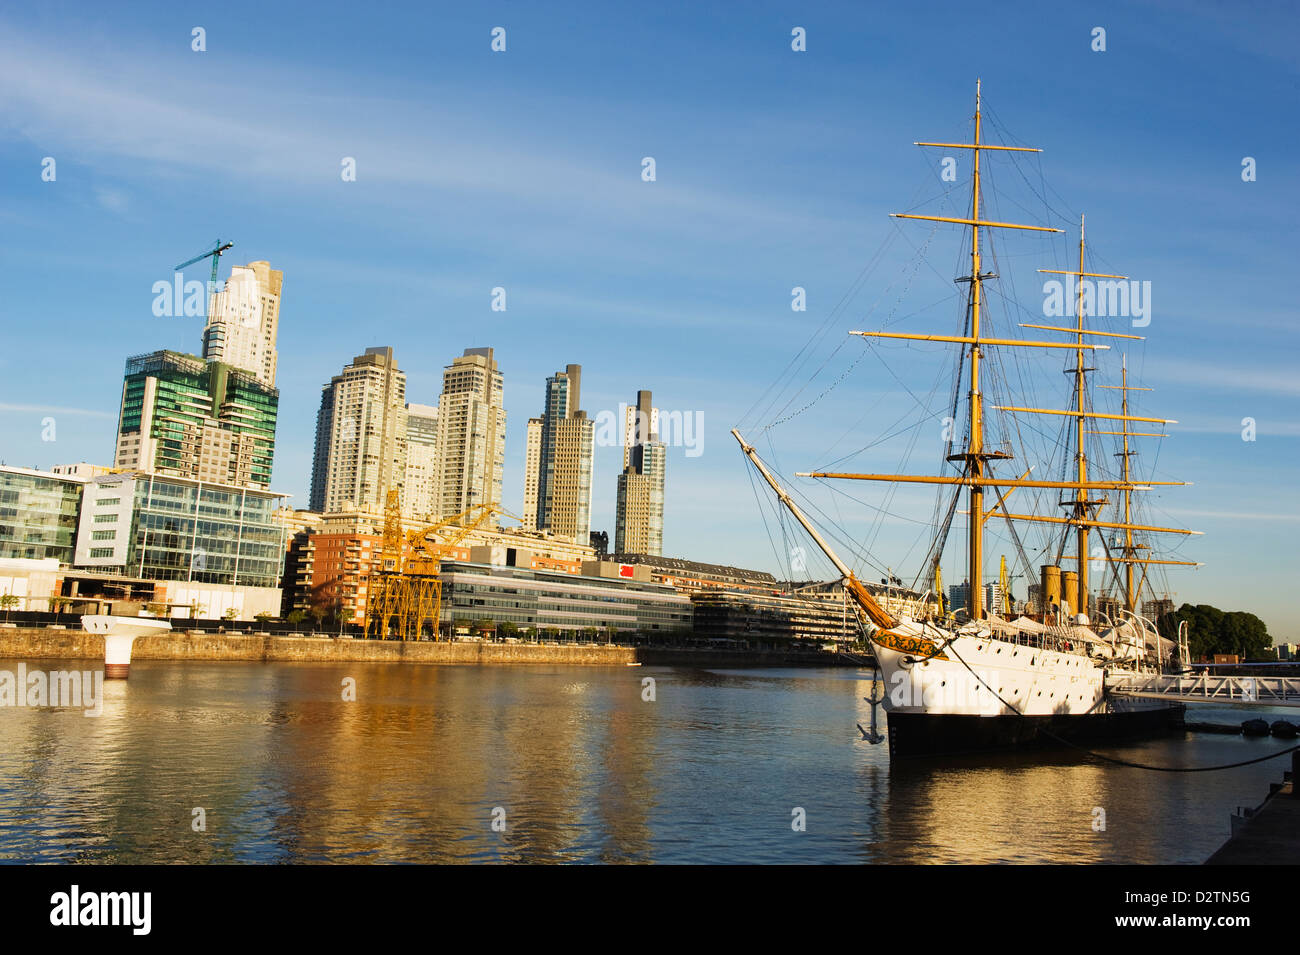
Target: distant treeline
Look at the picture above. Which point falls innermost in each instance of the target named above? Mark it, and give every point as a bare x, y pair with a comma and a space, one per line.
1211, 631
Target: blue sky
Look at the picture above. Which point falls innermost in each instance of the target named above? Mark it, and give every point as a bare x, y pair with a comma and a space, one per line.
774, 169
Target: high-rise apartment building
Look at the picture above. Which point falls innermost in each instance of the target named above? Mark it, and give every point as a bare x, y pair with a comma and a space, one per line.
639, 511
471, 433
995, 600
360, 435
243, 320
420, 488
958, 596
185, 417
558, 462
532, 464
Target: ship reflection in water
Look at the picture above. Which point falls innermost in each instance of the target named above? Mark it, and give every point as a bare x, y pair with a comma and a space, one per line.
582, 767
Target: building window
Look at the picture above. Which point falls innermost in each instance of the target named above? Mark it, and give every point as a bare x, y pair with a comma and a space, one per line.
96, 552
105, 518
104, 535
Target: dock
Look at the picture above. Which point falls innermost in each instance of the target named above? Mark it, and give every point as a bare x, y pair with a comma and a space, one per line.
1247, 690
1269, 834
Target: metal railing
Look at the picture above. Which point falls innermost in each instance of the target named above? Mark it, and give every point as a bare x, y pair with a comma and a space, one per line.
1209, 688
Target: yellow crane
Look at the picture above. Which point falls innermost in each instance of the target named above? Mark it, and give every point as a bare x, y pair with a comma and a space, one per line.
405, 593
1004, 584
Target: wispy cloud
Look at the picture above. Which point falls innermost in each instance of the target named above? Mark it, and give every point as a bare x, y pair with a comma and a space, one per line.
114, 200
1215, 376
1264, 426
51, 409
116, 110
1237, 515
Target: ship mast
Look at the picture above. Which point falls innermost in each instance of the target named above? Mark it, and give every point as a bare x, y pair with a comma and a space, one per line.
1130, 559
1130, 594
974, 458
975, 451
975, 473
1081, 506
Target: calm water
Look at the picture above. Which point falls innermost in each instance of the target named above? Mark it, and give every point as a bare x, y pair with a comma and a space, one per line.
584, 769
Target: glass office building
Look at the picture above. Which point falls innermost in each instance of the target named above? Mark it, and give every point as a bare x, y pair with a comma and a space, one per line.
566, 602
187, 417
165, 528
38, 514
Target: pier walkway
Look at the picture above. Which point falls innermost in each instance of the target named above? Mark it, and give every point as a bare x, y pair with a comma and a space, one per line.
1204, 688
1270, 834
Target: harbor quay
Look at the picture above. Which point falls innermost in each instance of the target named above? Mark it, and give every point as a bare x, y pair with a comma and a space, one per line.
53, 643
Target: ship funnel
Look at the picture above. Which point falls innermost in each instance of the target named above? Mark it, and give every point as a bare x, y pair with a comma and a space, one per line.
1050, 575
1070, 590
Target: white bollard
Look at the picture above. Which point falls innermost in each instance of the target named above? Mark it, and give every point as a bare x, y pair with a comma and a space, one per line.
119, 634
117, 655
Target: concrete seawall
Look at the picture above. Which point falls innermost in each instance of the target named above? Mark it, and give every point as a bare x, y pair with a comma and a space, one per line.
1271, 834
34, 643
29, 644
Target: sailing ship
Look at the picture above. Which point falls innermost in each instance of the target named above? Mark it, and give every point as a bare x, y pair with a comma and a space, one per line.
974, 680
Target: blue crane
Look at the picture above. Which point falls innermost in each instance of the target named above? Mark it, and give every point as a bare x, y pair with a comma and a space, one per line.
215, 253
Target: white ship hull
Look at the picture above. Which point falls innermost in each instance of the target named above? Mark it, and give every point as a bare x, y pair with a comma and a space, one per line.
972, 691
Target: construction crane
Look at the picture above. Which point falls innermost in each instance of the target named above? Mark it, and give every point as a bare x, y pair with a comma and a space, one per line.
406, 592
215, 253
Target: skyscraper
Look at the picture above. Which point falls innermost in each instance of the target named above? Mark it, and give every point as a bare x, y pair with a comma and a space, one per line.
360, 435
532, 464
471, 433
243, 320
558, 464
639, 512
420, 498
186, 417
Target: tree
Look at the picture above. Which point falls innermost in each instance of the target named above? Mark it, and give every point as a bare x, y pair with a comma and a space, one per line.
509, 629
1246, 634
230, 614
324, 603
1211, 631
7, 603
263, 617
58, 603
296, 617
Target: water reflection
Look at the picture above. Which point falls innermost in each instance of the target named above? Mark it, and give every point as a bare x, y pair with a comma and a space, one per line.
581, 766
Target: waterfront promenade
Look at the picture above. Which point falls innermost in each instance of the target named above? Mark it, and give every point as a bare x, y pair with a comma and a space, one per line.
28, 643
1271, 836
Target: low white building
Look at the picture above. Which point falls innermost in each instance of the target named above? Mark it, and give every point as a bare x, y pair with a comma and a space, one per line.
32, 580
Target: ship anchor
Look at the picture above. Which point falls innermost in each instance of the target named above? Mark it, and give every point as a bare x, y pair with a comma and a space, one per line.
873, 737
